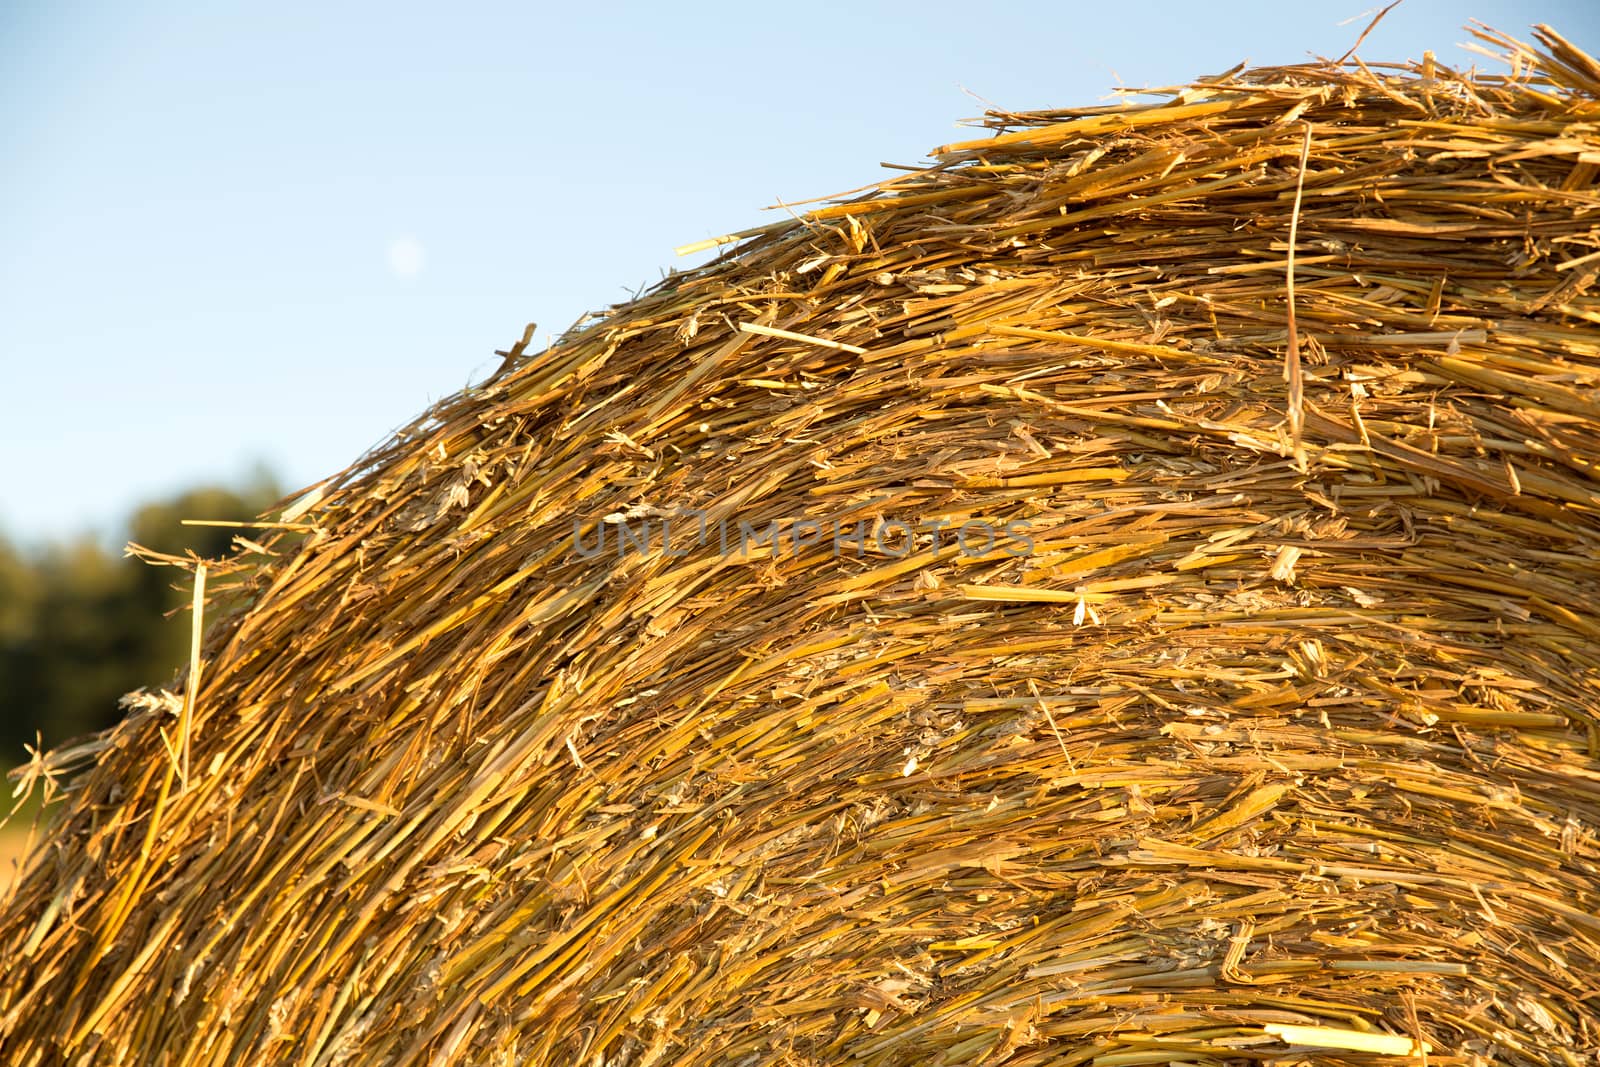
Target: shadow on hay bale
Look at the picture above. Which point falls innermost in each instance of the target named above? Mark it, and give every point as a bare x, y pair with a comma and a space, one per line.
981, 622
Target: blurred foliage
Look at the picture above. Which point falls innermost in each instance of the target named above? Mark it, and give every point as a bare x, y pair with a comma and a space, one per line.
81, 624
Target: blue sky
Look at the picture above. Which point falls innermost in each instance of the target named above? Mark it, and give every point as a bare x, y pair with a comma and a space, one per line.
236, 233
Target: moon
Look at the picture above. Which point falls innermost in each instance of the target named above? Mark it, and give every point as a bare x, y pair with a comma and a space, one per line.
406, 257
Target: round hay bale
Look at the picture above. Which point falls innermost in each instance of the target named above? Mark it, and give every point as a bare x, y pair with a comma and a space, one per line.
1122, 595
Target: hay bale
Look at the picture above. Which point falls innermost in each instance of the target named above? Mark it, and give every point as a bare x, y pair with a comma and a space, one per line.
1245, 707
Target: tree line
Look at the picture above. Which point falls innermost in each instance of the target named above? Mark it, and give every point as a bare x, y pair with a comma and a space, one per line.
81, 624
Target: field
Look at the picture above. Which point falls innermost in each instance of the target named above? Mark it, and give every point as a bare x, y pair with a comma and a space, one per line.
13, 832
11, 842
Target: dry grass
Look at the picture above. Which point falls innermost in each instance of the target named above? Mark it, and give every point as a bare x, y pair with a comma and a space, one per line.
1280, 742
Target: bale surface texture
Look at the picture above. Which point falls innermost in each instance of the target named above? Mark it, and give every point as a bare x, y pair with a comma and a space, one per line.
1179, 643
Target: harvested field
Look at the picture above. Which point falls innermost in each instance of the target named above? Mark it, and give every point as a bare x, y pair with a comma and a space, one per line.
1121, 595
11, 851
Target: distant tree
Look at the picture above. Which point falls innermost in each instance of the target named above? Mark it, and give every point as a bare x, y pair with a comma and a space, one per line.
81, 625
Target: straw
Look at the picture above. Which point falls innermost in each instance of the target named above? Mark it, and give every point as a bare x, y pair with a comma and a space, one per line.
922, 636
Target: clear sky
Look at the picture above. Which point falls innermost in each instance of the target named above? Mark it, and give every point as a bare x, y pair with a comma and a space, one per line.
274, 232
